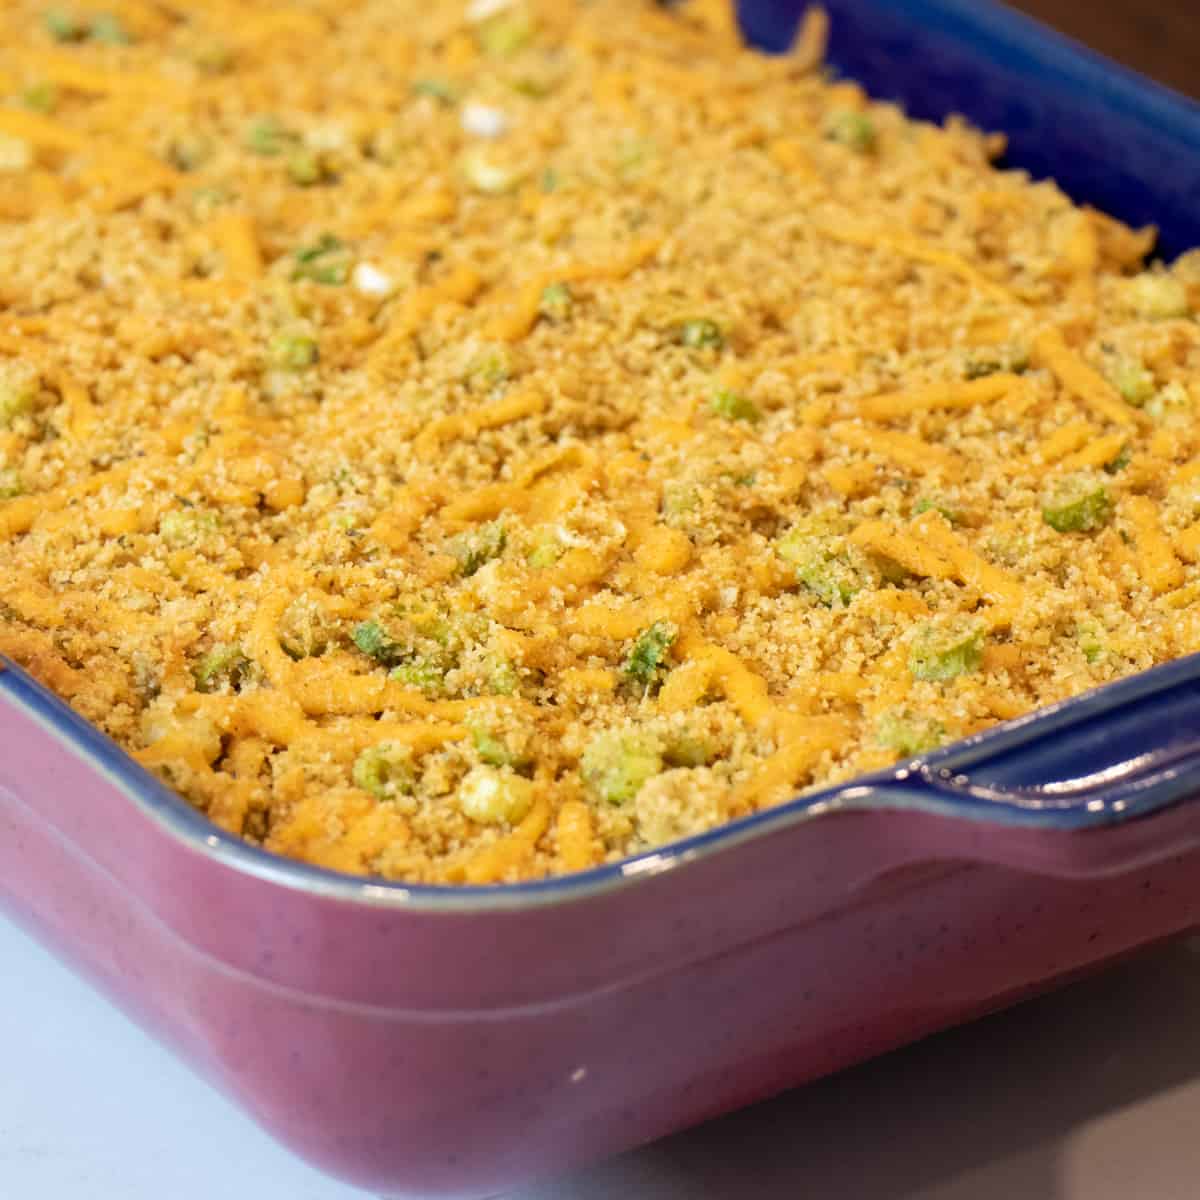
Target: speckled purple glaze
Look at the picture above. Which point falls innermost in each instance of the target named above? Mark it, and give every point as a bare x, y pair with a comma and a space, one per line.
458, 1048
431, 1042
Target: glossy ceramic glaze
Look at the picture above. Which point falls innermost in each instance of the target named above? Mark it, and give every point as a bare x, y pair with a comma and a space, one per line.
430, 1042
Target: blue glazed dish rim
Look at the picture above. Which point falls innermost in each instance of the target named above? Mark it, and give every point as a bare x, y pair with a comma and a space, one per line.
915, 786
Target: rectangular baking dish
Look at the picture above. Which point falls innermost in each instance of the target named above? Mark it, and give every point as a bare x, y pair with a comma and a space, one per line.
456, 1042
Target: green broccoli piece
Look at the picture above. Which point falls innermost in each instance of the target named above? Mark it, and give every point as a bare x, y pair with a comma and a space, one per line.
421, 675
305, 169
294, 351
503, 679
495, 750
505, 34
327, 261
1091, 640
1172, 405
909, 734
303, 630
700, 333
556, 302
1014, 359
490, 368
545, 551
189, 152
386, 771
18, 394
221, 665
439, 89
375, 642
40, 97
1131, 378
1080, 504
188, 526
821, 566
734, 407
854, 130
63, 25
646, 658
925, 504
941, 651
11, 485
269, 137
106, 27
616, 765
490, 796
680, 499
473, 549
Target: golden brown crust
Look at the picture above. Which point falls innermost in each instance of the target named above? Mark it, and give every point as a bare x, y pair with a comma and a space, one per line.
522, 331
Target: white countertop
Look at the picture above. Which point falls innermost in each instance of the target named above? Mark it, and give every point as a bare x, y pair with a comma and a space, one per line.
1089, 1094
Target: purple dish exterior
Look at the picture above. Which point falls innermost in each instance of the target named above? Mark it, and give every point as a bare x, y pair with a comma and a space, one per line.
432, 1042
456, 1042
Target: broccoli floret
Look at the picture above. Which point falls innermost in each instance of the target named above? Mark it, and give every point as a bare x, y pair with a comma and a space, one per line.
40, 97
269, 137
421, 675
386, 771
734, 407
1013, 358
328, 261
503, 678
493, 749
375, 642
700, 333
505, 34
1080, 504
106, 27
854, 130
942, 651
1131, 378
1171, 405
1091, 640
11, 484
556, 302
221, 665
305, 168
294, 351
545, 551
926, 504
649, 650
909, 734
18, 394
303, 630
183, 527
473, 549
616, 764
63, 25
821, 565
492, 796
439, 89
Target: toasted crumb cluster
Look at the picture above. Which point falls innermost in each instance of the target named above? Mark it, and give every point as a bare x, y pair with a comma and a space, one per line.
462, 443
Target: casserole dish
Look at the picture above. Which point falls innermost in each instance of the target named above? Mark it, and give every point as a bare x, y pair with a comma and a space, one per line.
454, 1042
